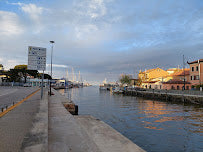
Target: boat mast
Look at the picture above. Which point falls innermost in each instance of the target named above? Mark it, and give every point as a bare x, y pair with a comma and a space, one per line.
73, 75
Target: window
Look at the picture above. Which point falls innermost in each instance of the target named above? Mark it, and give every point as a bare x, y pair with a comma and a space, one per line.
196, 68
197, 77
187, 87
172, 87
194, 77
191, 77
192, 68
178, 88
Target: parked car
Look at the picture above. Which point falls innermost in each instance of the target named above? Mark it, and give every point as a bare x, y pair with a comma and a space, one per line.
27, 85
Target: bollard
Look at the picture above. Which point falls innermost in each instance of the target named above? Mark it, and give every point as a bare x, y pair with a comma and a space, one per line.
2, 109
13, 103
76, 109
153, 93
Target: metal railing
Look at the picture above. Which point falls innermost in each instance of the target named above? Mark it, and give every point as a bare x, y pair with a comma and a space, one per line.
181, 92
11, 84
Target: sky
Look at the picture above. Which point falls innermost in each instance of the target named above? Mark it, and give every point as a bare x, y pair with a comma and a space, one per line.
102, 38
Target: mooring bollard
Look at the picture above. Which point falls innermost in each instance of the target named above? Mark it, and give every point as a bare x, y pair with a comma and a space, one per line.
153, 93
2, 109
76, 109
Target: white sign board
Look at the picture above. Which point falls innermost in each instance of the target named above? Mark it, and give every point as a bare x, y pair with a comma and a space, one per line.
36, 58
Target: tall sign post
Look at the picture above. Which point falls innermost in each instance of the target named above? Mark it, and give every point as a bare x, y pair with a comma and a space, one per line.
37, 61
52, 42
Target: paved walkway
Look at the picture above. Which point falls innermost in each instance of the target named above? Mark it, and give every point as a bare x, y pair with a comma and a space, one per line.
65, 135
8, 95
16, 123
69, 133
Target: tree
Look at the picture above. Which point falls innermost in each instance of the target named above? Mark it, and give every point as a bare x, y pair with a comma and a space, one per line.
139, 82
125, 79
46, 76
20, 71
22, 66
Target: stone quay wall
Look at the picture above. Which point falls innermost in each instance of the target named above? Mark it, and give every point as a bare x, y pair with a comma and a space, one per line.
184, 98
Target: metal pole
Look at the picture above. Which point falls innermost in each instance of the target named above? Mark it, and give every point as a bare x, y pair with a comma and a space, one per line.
184, 71
199, 68
51, 65
42, 84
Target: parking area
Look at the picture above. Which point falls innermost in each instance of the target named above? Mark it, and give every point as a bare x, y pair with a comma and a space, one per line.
10, 95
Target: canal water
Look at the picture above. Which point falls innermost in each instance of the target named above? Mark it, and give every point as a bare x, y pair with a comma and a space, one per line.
153, 125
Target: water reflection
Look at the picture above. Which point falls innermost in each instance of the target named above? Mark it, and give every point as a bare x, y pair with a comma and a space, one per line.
153, 125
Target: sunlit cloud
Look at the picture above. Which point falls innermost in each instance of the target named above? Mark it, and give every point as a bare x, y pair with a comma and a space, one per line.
99, 37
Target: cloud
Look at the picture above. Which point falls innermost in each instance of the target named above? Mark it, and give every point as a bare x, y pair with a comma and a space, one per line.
103, 38
33, 11
10, 24
57, 65
91, 8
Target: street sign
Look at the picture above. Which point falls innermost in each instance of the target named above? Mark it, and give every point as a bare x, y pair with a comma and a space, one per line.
36, 58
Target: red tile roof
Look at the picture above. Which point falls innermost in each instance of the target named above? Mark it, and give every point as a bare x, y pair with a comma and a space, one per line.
181, 73
200, 60
150, 81
173, 81
172, 69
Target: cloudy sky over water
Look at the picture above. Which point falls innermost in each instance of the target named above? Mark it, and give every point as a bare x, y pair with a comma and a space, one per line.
102, 38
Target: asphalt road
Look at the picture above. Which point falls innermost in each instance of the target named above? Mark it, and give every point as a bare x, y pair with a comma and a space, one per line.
8, 95
17, 123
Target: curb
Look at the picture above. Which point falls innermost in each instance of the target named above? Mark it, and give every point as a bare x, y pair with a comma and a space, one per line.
36, 140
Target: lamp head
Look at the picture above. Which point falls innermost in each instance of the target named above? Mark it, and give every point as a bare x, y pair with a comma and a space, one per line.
51, 41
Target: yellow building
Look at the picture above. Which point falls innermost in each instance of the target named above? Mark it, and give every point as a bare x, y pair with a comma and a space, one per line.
157, 74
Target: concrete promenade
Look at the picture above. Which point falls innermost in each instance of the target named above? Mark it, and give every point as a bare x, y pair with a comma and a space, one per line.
16, 124
82, 133
45, 125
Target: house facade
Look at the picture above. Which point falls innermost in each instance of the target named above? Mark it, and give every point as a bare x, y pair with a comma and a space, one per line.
152, 74
152, 85
196, 72
176, 85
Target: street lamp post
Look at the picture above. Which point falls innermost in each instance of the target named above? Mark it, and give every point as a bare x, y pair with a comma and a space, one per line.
52, 42
184, 70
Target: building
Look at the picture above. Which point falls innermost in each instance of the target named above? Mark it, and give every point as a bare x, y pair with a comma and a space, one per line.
1, 67
152, 75
176, 85
134, 82
179, 74
196, 72
152, 85
153, 78
172, 70
171, 79
2, 77
37, 82
60, 82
